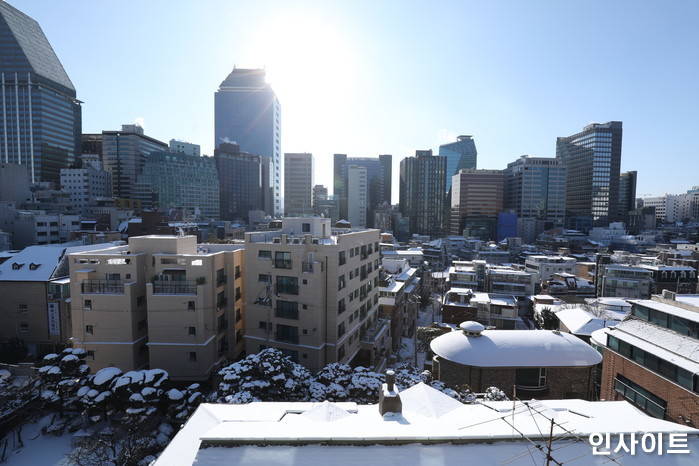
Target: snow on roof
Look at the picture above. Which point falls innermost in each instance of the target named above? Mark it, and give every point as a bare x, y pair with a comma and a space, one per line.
581, 322
291, 436
392, 287
38, 263
515, 348
691, 299
681, 350
668, 309
616, 302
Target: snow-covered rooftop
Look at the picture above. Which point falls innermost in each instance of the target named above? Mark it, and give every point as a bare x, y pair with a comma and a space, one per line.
681, 350
38, 263
515, 348
581, 322
668, 309
432, 428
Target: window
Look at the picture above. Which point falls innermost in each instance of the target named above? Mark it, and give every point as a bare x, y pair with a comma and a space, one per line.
291, 354
264, 278
341, 330
238, 315
342, 260
288, 285
282, 260
341, 352
220, 277
238, 295
89, 329
113, 276
266, 255
22, 308
221, 300
191, 331
265, 325
531, 377
305, 227
237, 271
23, 327
192, 356
87, 304
341, 306
191, 306
341, 282
287, 333
90, 355
287, 309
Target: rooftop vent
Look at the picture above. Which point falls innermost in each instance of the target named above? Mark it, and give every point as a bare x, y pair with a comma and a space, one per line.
471, 328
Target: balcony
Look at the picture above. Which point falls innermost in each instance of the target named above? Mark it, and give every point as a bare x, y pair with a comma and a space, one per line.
178, 287
373, 333
307, 267
287, 289
103, 287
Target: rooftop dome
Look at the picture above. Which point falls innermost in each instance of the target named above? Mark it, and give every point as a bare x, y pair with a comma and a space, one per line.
514, 348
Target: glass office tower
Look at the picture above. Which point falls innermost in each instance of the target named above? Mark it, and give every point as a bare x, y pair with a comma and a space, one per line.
247, 113
593, 162
41, 117
461, 155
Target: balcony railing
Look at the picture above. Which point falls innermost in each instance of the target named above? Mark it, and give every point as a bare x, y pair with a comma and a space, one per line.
288, 289
103, 287
372, 333
174, 287
287, 337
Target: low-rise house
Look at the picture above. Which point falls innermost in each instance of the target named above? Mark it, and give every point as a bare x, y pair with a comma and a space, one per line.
523, 363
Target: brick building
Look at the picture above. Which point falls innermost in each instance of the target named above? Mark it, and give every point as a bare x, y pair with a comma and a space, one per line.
525, 364
652, 358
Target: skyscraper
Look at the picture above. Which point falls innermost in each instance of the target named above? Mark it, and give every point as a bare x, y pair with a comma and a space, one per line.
461, 155
379, 171
477, 199
41, 116
298, 183
124, 154
593, 161
247, 113
422, 182
240, 181
535, 189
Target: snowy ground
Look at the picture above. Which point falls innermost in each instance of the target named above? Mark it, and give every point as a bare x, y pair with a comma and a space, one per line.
38, 449
425, 317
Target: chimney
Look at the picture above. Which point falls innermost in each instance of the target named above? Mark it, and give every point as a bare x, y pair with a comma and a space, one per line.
389, 399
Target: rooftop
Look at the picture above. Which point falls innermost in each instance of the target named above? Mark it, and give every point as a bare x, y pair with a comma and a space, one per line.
432, 428
515, 348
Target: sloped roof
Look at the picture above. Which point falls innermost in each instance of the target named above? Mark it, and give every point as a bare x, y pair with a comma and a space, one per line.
39, 263
515, 348
581, 322
35, 47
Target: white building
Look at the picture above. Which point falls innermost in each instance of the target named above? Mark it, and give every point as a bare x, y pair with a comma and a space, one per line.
357, 195
185, 147
86, 185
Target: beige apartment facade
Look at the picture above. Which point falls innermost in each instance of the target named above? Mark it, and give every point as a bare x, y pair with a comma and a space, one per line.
160, 302
312, 293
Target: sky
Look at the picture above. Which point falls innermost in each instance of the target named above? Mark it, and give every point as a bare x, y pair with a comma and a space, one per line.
390, 77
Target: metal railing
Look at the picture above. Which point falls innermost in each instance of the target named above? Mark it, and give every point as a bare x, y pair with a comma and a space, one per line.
103, 287
175, 287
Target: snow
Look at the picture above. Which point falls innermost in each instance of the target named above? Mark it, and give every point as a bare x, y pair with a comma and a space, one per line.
69, 358
581, 322
105, 375
44, 450
4, 374
515, 348
174, 394
489, 433
82, 391
136, 398
668, 309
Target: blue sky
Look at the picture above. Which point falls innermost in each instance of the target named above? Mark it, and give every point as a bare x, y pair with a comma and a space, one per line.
375, 77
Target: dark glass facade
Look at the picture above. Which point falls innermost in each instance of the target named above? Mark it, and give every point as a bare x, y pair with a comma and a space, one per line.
593, 162
247, 113
461, 155
41, 117
240, 182
422, 187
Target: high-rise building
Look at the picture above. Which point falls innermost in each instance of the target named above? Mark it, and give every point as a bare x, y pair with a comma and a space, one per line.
312, 292
627, 194
320, 193
41, 116
86, 184
299, 170
535, 189
248, 114
593, 161
461, 155
476, 201
240, 177
181, 181
357, 195
379, 172
123, 154
422, 188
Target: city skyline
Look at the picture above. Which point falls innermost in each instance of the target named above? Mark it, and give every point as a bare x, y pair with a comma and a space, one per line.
508, 75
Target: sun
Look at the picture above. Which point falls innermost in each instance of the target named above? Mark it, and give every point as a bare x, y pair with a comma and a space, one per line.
309, 64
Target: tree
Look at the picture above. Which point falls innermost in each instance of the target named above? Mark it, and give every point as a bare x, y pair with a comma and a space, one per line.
425, 335
266, 376
547, 320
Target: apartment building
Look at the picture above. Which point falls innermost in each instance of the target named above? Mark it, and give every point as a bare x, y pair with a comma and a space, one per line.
619, 280
313, 293
549, 265
160, 301
650, 359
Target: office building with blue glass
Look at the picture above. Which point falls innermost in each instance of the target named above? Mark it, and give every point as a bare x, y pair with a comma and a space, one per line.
461, 155
247, 113
41, 116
